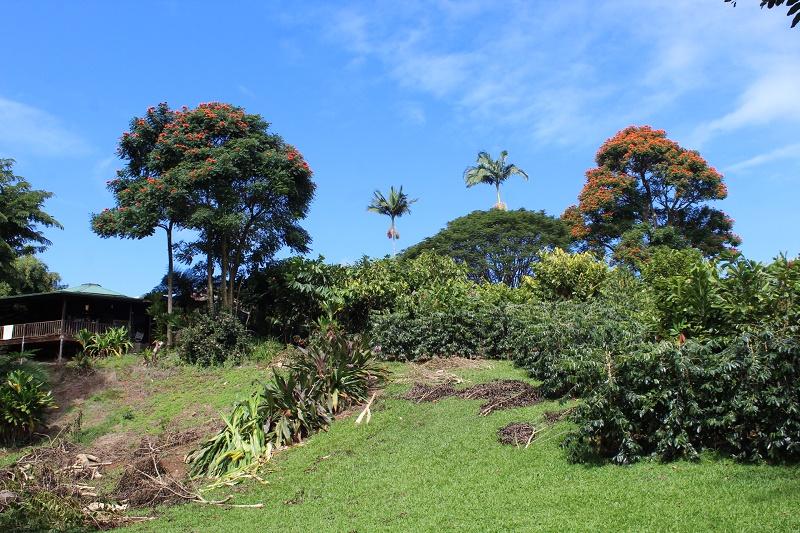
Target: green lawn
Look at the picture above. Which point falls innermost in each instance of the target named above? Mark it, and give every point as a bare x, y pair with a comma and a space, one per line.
438, 467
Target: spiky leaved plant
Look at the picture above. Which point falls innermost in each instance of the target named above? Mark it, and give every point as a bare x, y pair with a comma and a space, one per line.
492, 172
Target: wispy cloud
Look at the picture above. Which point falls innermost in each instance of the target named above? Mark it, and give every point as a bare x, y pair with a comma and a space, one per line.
24, 128
791, 151
570, 72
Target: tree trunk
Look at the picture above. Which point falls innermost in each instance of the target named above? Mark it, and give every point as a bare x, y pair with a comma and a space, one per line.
224, 277
210, 276
170, 269
394, 245
499, 203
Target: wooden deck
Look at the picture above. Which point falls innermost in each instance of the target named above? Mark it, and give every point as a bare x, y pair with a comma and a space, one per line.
51, 330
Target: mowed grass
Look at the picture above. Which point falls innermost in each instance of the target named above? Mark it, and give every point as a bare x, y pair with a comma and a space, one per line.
439, 467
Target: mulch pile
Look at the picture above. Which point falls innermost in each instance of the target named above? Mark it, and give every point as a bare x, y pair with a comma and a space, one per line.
516, 434
499, 394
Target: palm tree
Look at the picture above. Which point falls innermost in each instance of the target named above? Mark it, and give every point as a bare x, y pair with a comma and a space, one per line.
492, 172
394, 206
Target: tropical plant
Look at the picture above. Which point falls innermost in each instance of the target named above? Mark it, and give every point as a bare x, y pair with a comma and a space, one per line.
23, 403
334, 373
113, 341
492, 172
394, 206
21, 218
559, 275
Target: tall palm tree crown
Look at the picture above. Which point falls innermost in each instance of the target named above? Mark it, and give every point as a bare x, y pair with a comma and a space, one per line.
395, 205
492, 172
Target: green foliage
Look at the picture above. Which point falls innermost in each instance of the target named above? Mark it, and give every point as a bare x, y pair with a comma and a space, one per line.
214, 340
379, 285
28, 275
497, 245
23, 404
332, 374
37, 510
113, 341
562, 276
568, 345
736, 396
287, 297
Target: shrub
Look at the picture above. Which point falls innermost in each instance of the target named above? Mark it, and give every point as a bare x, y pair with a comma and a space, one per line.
738, 396
333, 373
214, 340
570, 345
23, 404
560, 276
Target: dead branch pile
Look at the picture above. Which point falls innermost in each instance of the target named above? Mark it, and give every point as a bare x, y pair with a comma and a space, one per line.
516, 434
498, 394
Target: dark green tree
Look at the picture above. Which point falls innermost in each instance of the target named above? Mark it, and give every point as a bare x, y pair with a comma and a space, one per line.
497, 245
21, 218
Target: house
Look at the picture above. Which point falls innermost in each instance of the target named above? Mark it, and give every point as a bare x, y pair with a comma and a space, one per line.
52, 319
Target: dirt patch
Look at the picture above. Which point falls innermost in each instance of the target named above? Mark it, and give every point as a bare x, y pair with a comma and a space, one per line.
516, 434
422, 392
551, 417
499, 394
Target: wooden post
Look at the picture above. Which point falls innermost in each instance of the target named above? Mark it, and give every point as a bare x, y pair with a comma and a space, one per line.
63, 326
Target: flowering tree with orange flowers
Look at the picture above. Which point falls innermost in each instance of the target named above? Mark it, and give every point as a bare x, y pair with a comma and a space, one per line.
648, 190
247, 189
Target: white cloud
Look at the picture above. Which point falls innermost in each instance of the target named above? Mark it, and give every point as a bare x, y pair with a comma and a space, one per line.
28, 129
571, 72
772, 97
791, 151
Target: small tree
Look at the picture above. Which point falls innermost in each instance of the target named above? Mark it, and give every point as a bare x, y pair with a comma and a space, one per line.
395, 205
492, 172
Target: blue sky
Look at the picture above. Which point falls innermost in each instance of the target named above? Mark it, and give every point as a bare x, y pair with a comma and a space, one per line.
390, 93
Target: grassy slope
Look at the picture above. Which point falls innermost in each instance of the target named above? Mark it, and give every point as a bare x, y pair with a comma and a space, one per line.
426, 467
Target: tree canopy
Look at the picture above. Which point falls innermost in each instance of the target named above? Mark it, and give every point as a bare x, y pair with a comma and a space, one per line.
497, 245
27, 274
21, 217
648, 190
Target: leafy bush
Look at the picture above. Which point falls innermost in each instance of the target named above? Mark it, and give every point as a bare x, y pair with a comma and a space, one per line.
332, 374
560, 275
738, 396
288, 296
214, 340
23, 404
570, 345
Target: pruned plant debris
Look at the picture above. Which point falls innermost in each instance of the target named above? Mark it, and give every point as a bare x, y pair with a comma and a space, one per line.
499, 394
517, 434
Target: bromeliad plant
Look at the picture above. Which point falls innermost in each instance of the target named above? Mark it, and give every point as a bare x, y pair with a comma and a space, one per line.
334, 372
23, 403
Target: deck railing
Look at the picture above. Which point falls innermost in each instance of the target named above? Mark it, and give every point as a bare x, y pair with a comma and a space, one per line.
52, 328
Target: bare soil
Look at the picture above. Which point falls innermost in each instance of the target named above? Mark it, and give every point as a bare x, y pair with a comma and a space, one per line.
516, 434
498, 394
